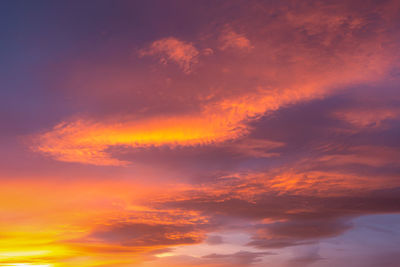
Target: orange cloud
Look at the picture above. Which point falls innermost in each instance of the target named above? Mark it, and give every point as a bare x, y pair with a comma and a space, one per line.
137, 215
171, 49
231, 39
283, 74
78, 224
87, 141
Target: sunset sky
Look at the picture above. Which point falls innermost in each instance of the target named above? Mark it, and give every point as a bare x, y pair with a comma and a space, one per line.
186, 133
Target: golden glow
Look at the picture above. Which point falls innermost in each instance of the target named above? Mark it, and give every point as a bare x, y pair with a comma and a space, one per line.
86, 141
212, 131
55, 227
23, 253
166, 254
27, 265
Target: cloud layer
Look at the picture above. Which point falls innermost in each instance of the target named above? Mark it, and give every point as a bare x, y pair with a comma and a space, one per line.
197, 133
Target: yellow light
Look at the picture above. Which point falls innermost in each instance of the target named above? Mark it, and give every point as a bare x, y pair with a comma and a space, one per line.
166, 254
27, 265
23, 253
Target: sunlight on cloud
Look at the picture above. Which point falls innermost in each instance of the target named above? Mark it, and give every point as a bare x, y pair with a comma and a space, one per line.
231, 39
225, 117
86, 141
240, 133
171, 49
27, 265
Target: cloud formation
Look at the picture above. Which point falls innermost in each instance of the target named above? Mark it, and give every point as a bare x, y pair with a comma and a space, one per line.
238, 133
300, 56
241, 258
147, 235
231, 39
171, 49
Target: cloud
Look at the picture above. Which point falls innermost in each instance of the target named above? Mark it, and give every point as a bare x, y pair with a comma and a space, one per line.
275, 132
296, 219
371, 117
309, 53
231, 39
297, 232
214, 240
147, 235
171, 49
240, 258
305, 256
86, 141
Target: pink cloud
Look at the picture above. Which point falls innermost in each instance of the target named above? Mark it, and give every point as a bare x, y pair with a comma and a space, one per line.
171, 49
231, 39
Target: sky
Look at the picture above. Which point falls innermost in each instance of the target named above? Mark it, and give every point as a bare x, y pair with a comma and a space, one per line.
183, 133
